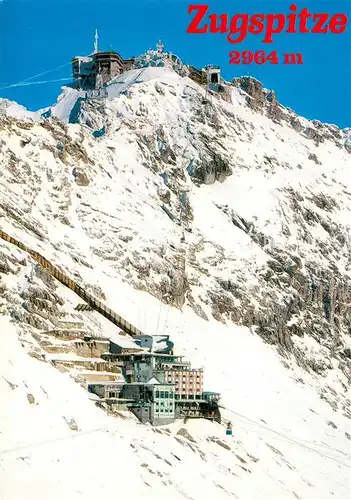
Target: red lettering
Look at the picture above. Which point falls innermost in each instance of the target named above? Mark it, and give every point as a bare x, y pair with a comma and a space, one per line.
238, 26
247, 57
234, 57
241, 29
273, 57
304, 16
260, 57
321, 20
194, 25
223, 27
271, 28
257, 26
338, 23
292, 20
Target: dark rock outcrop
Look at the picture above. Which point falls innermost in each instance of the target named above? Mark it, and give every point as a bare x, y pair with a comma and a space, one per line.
208, 171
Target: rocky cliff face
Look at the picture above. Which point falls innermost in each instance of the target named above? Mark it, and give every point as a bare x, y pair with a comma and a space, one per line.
264, 101
238, 210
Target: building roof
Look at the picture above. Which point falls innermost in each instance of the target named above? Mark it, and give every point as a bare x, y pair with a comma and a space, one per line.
83, 59
107, 382
160, 346
145, 352
149, 383
153, 381
180, 363
155, 338
124, 341
158, 338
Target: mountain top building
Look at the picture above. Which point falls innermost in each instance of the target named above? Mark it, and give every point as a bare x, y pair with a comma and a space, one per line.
94, 71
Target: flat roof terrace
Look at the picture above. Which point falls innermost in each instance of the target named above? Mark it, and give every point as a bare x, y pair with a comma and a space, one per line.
113, 56
148, 354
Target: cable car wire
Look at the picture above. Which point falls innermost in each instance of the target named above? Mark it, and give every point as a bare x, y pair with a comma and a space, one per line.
288, 438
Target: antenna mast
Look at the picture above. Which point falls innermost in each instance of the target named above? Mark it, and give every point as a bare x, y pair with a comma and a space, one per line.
96, 42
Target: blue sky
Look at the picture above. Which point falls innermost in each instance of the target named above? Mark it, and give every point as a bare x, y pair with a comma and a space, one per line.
39, 35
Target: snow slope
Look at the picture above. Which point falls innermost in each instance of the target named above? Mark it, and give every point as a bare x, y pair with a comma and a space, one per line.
281, 445
69, 96
93, 208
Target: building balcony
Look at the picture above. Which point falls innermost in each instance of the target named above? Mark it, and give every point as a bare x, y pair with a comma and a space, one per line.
175, 363
186, 367
189, 397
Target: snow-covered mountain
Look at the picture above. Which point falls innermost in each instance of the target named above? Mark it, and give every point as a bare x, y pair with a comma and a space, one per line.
221, 221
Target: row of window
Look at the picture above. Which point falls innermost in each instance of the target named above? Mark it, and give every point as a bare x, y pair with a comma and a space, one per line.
164, 410
190, 384
164, 395
162, 404
188, 396
190, 381
189, 390
114, 395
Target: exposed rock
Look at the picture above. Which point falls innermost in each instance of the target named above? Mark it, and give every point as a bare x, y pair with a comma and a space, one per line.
165, 195
31, 399
254, 90
4, 265
296, 124
242, 460
220, 443
208, 171
81, 177
314, 158
183, 432
273, 108
71, 424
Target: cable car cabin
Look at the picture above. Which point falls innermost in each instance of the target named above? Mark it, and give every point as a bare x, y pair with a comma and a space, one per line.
213, 75
229, 429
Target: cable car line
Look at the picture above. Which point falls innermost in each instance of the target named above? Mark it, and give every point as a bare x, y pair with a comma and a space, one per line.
26, 84
287, 438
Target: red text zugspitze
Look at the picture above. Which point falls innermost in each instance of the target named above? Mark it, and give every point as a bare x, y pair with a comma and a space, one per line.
239, 26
